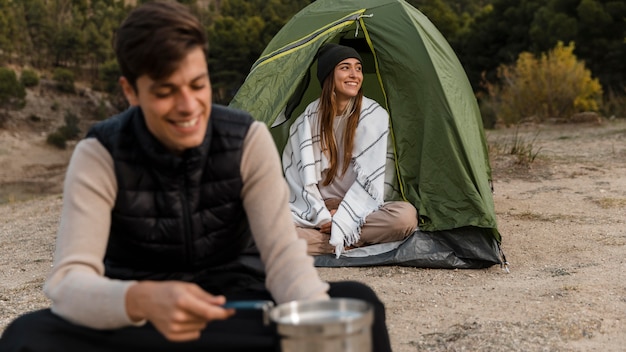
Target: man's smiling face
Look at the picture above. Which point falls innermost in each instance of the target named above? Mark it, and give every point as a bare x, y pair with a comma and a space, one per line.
177, 108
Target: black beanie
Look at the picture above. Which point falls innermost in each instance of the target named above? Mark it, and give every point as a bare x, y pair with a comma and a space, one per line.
329, 55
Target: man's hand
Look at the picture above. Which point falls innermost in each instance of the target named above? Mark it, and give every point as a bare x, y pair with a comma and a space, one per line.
178, 310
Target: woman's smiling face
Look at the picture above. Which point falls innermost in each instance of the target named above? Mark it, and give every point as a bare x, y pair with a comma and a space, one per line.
348, 76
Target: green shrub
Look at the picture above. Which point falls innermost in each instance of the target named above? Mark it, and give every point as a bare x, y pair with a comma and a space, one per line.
487, 111
64, 80
57, 139
66, 132
614, 104
109, 76
29, 78
101, 111
70, 130
12, 92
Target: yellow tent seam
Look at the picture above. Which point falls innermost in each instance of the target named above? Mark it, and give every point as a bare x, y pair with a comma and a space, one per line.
382, 86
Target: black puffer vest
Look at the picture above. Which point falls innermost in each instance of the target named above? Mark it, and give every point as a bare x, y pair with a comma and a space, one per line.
174, 214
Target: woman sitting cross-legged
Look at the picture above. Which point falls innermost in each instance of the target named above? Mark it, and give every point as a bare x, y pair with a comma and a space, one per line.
334, 163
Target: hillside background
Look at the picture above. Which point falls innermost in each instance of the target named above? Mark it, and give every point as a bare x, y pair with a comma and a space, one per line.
527, 61
76, 35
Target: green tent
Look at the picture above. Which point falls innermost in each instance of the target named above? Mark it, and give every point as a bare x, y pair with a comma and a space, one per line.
442, 165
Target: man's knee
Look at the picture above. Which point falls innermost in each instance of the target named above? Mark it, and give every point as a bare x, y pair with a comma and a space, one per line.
26, 330
353, 289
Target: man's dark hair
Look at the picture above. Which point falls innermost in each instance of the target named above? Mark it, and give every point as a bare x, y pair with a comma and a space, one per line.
155, 37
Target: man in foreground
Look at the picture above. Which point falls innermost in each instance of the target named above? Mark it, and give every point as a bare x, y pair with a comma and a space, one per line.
161, 206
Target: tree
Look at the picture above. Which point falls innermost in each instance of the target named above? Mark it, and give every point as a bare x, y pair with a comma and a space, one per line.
236, 44
25, 45
105, 17
64, 79
69, 46
12, 25
6, 45
553, 23
97, 48
601, 30
597, 26
509, 27
12, 92
470, 7
238, 36
29, 78
496, 36
109, 76
40, 31
441, 15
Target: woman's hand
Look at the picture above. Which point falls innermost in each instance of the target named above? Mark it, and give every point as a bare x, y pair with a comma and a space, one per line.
179, 310
325, 228
332, 204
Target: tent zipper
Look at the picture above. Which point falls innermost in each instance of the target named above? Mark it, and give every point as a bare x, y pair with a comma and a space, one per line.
307, 39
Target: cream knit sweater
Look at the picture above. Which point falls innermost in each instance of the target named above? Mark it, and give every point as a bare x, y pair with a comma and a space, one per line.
76, 285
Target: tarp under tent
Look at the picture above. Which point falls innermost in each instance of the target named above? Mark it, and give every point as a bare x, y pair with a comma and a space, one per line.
441, 160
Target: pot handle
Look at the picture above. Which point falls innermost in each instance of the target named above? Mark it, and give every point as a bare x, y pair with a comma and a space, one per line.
263, 305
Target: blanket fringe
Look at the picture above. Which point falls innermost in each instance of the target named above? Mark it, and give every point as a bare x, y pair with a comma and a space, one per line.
367, 185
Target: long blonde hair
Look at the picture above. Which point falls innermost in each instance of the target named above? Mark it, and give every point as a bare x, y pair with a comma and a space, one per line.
327, 112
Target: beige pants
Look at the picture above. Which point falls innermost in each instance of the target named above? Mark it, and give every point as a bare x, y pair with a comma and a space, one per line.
394, 221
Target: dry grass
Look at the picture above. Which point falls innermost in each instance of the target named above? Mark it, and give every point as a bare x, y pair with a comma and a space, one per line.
607, 203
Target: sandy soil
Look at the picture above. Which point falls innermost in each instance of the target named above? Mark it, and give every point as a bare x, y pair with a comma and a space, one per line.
562, 217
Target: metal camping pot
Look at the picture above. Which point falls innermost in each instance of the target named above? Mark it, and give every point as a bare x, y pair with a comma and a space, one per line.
335, 325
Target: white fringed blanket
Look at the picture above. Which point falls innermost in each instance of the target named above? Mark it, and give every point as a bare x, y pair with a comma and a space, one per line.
303, 163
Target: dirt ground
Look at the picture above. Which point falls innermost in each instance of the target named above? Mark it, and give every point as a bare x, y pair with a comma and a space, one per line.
562, 218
